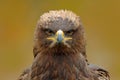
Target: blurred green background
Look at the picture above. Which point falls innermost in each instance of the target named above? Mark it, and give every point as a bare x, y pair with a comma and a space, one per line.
101, 19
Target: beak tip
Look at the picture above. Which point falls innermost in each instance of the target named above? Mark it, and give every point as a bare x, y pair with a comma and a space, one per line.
59, 38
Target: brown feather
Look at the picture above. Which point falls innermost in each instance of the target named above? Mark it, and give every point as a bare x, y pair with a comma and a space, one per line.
61, 62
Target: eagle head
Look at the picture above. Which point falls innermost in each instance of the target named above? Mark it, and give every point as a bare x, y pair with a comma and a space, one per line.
59, 32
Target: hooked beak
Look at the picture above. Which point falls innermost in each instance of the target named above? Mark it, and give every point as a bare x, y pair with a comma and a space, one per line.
59, 37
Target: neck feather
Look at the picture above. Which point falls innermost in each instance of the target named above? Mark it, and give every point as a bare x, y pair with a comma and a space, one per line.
59, 66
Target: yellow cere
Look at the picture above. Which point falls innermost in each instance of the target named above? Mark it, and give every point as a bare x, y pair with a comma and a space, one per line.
59, 32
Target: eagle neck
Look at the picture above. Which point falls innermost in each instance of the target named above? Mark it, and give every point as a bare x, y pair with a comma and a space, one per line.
59, 66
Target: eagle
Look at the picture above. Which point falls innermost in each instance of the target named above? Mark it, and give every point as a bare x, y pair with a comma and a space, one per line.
60, 50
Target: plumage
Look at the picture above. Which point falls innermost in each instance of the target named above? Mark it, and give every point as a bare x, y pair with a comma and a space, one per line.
59, 50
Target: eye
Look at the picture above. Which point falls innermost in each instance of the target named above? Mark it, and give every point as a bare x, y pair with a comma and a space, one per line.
70, 32
49, 32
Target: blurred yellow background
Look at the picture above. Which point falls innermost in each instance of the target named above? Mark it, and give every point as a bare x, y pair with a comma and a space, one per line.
101, 19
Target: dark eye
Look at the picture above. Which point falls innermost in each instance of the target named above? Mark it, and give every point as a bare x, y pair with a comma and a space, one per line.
70, 32
49, 32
